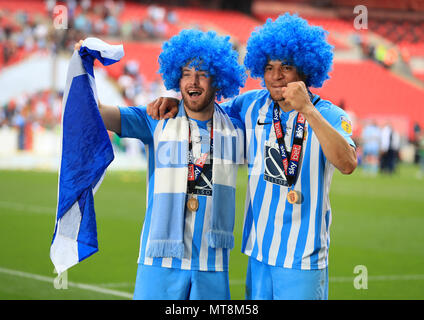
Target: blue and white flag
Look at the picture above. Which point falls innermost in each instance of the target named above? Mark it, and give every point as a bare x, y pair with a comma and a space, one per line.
86, 153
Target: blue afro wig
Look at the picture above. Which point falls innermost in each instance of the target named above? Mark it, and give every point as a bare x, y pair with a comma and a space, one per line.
205, 51
292, 40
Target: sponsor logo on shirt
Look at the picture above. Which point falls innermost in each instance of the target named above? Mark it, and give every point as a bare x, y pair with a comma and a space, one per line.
273, 169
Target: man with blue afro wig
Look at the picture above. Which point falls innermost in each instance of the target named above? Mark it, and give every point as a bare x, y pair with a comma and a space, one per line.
205, 51
294, 142
292, 40
192, 171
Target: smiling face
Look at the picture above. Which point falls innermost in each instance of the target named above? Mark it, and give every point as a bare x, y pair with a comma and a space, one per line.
197, 92
277, 75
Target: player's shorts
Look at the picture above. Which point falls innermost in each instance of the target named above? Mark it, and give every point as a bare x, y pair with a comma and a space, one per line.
265, 282
158, 283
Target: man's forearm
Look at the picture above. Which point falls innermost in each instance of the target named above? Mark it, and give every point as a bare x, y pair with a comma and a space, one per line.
337, 150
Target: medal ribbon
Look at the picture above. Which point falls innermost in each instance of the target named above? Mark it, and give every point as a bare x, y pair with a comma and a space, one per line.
290, 160
195, 168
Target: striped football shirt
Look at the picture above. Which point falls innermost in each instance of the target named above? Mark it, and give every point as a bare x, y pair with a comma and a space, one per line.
276, 232
135, 123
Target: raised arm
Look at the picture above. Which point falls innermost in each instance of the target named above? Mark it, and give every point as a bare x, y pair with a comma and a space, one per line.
335, 147
110, 114
337, 150
111, 117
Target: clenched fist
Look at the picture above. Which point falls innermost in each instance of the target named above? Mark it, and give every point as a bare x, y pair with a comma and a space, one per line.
296, 96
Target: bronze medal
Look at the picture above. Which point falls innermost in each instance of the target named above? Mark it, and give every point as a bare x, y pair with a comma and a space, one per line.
192, 204
294, 197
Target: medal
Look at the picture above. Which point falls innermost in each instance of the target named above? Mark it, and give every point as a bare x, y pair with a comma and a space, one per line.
192, 204
294, 197
291, 160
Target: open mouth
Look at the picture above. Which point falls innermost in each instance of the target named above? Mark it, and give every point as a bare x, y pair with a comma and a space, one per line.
194, 93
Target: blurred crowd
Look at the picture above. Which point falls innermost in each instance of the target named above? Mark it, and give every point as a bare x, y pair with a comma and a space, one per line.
29, 113
23, 32
136, 90
105, 19
380, 148
401, 38
382, 54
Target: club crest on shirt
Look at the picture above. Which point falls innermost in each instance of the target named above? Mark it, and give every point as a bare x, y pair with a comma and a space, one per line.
346, 125
273, 166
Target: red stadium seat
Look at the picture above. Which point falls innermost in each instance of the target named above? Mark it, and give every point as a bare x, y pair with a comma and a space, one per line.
370, 90
145, 53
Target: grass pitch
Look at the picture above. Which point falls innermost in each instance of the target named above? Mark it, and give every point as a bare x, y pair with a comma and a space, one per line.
377, 223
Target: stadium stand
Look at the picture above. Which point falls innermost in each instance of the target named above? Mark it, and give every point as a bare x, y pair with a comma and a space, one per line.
360, 82
371, 91
336, 27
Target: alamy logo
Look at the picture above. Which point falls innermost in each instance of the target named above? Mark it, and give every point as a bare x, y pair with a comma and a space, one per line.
61, 281
60, 17
361, 280
361, 20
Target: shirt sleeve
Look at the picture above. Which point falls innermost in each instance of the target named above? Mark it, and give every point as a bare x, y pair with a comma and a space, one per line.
237, 107
233, 108
340, 121
136, 123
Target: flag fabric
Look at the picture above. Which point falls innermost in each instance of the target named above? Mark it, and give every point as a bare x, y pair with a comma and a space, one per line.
86, 154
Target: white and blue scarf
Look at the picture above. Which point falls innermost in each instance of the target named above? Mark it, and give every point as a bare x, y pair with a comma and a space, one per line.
170, 188
86, 153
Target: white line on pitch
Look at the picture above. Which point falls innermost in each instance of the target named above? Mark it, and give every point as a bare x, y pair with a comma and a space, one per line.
83, 286
397, 277
27, 207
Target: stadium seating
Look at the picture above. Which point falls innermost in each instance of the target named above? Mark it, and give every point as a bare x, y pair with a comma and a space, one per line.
234, 23
370, 90
417, 5
145, 53
419, 75
333, 25
414, 49
365, 87
29, 6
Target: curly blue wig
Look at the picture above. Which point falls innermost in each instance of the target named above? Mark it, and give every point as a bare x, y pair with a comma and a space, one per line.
205, 51
292, 40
